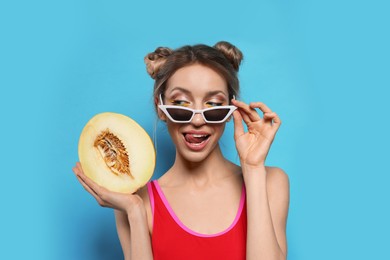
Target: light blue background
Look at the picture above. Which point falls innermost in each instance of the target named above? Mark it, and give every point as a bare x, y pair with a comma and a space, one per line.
322, 65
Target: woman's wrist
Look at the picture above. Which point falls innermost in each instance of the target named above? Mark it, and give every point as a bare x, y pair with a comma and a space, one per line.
253, 169
136, 209
253, 175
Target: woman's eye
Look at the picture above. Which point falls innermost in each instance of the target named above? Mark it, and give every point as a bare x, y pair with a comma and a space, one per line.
213, 104
180, 103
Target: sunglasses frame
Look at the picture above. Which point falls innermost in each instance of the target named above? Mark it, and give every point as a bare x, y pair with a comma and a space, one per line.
195, 111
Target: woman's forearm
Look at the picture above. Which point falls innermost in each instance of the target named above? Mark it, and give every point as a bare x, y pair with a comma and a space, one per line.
123, 230
262, 242
140, 239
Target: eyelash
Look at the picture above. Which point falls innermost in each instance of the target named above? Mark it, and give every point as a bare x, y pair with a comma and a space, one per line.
213, 104
180, 102
186, 103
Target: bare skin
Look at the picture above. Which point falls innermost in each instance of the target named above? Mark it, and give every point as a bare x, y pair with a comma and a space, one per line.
204, 181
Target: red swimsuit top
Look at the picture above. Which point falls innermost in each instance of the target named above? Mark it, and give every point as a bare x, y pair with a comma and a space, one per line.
172, 240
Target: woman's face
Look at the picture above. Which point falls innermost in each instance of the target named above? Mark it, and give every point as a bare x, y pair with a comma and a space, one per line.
197, 87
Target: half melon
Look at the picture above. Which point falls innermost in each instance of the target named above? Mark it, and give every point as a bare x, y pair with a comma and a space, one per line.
116, 152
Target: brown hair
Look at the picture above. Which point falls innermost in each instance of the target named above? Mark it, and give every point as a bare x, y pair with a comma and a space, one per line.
223, 57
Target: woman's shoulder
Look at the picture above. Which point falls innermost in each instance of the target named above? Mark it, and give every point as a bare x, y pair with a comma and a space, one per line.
277, 173
278, 183
276, 176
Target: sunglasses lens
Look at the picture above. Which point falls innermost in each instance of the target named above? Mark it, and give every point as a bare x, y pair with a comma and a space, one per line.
180, 114
216, 114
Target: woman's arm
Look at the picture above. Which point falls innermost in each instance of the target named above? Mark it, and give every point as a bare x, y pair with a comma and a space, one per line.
267, 190
140, 244
267, 208
123, 230
134, 237
134, 233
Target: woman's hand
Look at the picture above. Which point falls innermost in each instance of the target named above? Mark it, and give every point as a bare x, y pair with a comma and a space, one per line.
253, 146
106, 198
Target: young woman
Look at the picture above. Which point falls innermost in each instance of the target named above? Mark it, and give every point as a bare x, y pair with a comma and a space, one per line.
204, 206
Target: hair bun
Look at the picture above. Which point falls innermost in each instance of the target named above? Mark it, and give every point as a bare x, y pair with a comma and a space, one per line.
156, 59
231, 52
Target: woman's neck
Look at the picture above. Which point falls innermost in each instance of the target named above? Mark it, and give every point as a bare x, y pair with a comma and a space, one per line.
214, 167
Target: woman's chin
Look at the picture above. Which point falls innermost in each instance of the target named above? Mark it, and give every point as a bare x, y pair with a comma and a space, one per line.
197, 155
194, 157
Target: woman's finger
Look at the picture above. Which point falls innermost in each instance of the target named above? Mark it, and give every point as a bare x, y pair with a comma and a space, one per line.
92, 192
244, 116
246, 109
238, 126
104, 197
269, 115
78, 165
260, 105
274, 118
90, 183
87, 188
277, 121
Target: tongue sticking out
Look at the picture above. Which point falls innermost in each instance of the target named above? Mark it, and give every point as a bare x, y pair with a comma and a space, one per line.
195, 138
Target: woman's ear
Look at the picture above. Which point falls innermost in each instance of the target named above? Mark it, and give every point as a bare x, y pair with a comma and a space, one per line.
160, 114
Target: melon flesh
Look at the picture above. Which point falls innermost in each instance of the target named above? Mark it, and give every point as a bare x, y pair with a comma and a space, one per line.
116, 152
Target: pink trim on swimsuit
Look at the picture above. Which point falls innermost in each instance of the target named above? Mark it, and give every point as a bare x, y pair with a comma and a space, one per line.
177, 220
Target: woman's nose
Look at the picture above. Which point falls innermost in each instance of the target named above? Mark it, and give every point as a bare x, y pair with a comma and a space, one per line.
198, 120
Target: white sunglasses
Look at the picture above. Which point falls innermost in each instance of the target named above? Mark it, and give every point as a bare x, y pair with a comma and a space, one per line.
213, 115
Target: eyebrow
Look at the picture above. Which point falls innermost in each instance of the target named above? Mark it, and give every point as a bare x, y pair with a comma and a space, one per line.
181, 89
208, 94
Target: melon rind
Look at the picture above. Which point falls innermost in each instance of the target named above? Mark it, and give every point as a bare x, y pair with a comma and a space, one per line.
139, 146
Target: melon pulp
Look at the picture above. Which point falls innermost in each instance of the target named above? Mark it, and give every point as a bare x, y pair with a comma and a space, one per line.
116, 152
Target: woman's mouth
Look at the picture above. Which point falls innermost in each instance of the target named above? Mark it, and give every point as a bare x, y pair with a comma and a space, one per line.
196, 142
